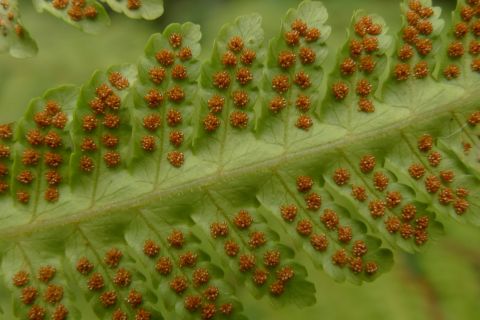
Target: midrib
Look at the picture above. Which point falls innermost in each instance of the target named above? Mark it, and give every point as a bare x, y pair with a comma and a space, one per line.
467, 101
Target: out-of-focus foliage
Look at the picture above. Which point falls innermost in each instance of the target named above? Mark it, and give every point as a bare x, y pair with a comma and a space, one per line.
90, 16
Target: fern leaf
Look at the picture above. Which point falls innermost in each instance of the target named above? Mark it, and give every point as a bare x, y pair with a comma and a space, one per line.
163, 189
145, 9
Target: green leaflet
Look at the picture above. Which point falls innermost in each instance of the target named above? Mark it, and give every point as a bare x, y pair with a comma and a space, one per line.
145, 9
171, 180
236, 98
89, 16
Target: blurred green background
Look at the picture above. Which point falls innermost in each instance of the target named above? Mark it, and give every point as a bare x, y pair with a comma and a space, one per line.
441, 283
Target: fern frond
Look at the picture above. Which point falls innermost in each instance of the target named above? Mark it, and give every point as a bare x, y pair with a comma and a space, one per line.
159, 190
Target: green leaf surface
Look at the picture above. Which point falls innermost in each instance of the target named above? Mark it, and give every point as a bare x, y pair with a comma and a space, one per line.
172, 179
148, 9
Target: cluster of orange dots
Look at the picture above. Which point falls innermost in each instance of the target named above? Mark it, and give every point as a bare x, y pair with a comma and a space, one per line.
50, 123
362, 51
11, 21
249, 247
331, 223
299, 40
407, 225
5, 136
134, 4
171, 63
457, 48
416, 37
383, 207
120, 278
474, 119
76, 9
237, 61
104, 117
202, 297
31, 294
438, 181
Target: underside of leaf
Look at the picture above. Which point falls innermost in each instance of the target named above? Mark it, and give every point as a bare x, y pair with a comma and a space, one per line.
158, 190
